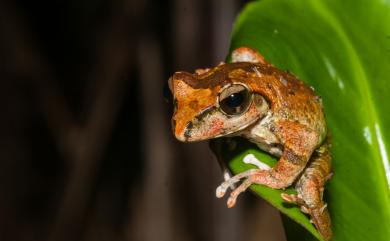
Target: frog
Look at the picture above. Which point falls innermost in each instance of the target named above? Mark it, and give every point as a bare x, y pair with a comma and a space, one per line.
251, 98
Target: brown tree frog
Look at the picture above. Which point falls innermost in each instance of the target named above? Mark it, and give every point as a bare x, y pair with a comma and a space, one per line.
271, 108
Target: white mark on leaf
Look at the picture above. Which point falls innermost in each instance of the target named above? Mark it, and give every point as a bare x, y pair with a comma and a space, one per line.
367, 134
383, 151
333, 73
251, 159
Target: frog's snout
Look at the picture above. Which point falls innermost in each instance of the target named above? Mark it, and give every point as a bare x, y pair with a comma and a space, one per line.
187, 133
182, 134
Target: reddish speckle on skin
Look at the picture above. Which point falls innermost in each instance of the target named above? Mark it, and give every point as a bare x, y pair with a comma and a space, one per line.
217, 124
215, 127
252, 111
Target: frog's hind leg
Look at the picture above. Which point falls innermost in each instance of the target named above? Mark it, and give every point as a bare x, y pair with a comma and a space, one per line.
310, 188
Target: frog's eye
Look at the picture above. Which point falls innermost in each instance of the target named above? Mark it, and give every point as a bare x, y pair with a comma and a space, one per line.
234, 99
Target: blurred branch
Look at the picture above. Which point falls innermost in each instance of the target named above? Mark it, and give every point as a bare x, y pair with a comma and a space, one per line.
26, 62
82, 146
108, 95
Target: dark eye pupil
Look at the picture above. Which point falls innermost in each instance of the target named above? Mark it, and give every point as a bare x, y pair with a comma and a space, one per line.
235, 103
234, 100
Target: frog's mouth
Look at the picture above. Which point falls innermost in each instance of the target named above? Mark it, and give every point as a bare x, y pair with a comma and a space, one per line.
212, 123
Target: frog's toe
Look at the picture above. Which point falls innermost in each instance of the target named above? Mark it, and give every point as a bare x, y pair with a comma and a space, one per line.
292, 198
231, 201
220, 192
221, 189
304, 209
240, 189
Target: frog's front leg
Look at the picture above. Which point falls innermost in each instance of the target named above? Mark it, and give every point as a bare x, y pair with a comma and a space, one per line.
298, 147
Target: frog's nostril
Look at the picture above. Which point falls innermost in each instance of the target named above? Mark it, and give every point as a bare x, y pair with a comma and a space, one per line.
188, 129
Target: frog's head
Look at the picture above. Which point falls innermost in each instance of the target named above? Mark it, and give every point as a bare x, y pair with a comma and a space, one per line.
215, 102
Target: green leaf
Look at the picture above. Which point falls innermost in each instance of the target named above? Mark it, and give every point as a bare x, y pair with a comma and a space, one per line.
342, 49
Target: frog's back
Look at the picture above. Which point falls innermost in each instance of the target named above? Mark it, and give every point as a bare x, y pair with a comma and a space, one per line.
291, 99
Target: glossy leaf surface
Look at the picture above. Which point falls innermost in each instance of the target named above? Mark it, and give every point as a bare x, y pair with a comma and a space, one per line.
342, 49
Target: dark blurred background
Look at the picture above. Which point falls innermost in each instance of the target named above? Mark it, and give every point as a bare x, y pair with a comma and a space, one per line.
86, 150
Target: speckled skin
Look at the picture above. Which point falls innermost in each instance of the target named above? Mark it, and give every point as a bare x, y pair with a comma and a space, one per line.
284, 118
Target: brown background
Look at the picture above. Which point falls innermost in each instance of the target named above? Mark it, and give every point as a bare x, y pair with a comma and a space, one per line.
86, 151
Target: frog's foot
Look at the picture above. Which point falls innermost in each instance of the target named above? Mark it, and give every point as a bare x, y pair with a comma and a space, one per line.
231, 181
295, 199
201, 71
319, 214
245, 54
221, 189
252, 176
313, 206
292, 198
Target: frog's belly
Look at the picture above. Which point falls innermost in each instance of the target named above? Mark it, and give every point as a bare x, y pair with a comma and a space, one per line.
264, 139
